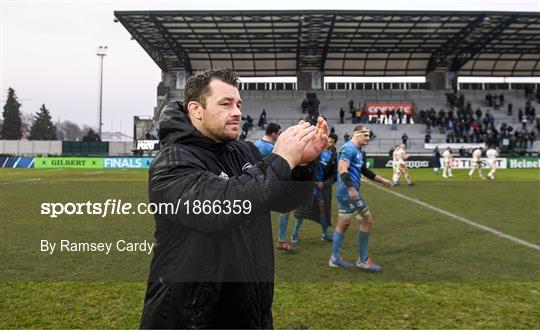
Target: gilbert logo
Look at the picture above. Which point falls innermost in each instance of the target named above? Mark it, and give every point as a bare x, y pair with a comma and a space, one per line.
246, 166
223, 175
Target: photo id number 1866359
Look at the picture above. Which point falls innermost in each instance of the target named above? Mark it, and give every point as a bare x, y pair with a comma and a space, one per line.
225, 207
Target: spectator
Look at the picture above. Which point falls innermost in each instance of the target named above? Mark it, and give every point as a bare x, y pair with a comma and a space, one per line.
394, 120
478, 114
532, 115
404, 138
341, 115
427, 138
510, 106
305, 106
351, 105
496, 102
400, 115
262, 119
248, 124
489, 99
532, 138
346, 137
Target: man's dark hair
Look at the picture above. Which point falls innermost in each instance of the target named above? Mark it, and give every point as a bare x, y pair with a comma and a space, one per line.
196, 87
333, 136
360, 127
272, 128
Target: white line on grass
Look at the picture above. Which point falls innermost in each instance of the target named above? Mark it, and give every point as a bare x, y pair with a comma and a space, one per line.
459, 218
27, 180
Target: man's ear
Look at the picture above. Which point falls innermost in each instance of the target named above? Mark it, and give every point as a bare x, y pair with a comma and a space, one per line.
195, 110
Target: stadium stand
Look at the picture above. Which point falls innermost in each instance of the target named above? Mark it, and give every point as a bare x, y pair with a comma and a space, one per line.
311, 45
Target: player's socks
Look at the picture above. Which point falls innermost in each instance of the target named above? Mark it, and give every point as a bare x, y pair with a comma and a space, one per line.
324, 225
296, 229
336, 245
471, 172
480, 173
408, 179
283, 222
395, 179
363, 240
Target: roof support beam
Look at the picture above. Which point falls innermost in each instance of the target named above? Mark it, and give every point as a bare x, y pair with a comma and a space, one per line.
327, 42
182, 55
476, 46
442, 55
146, 45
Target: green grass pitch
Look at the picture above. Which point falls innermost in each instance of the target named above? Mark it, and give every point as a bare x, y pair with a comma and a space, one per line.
439, 272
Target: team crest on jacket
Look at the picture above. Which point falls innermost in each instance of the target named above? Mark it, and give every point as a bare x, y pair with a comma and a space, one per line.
223, 175
246, 166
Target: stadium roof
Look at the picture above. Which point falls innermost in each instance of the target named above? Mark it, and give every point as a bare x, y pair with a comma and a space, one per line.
340, 43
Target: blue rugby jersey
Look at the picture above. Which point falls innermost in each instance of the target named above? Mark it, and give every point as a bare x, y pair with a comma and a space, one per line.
324, 159
350, 153
265, 147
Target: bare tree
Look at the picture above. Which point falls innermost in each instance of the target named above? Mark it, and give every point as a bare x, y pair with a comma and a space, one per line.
71, 131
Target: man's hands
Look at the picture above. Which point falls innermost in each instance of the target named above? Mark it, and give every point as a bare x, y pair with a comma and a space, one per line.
302, 143
318, 143
386, 182
353, 194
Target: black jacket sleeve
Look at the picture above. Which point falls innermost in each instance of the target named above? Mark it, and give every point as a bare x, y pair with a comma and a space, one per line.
180, 176
296, 190
365, 170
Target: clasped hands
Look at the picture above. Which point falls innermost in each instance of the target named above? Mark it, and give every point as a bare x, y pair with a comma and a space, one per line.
302, 143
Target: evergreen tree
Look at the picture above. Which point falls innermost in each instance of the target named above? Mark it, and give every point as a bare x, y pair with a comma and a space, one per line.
42, 127
11, 130
91, 135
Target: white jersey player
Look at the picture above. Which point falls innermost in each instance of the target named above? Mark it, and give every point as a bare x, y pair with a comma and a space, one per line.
447, 163
492, 154
395, 164
476, 163
400, 166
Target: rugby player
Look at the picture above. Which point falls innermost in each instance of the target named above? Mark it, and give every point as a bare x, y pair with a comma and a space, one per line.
266, 143
476, 163
215, 269
447, 163
400, 166
492, 154
266, 146
351, 167
324, 178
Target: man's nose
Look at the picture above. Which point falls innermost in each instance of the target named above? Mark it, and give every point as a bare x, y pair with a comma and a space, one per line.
236, 111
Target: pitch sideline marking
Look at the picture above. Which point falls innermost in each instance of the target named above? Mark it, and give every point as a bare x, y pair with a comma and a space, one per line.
459, 218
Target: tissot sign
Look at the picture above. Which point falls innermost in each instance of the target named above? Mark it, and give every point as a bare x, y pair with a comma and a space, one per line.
467, 163
374, 107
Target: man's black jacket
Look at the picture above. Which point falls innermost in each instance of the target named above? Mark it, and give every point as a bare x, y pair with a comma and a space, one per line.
214, 270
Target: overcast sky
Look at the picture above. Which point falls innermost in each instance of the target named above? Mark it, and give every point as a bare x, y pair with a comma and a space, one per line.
48, 51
